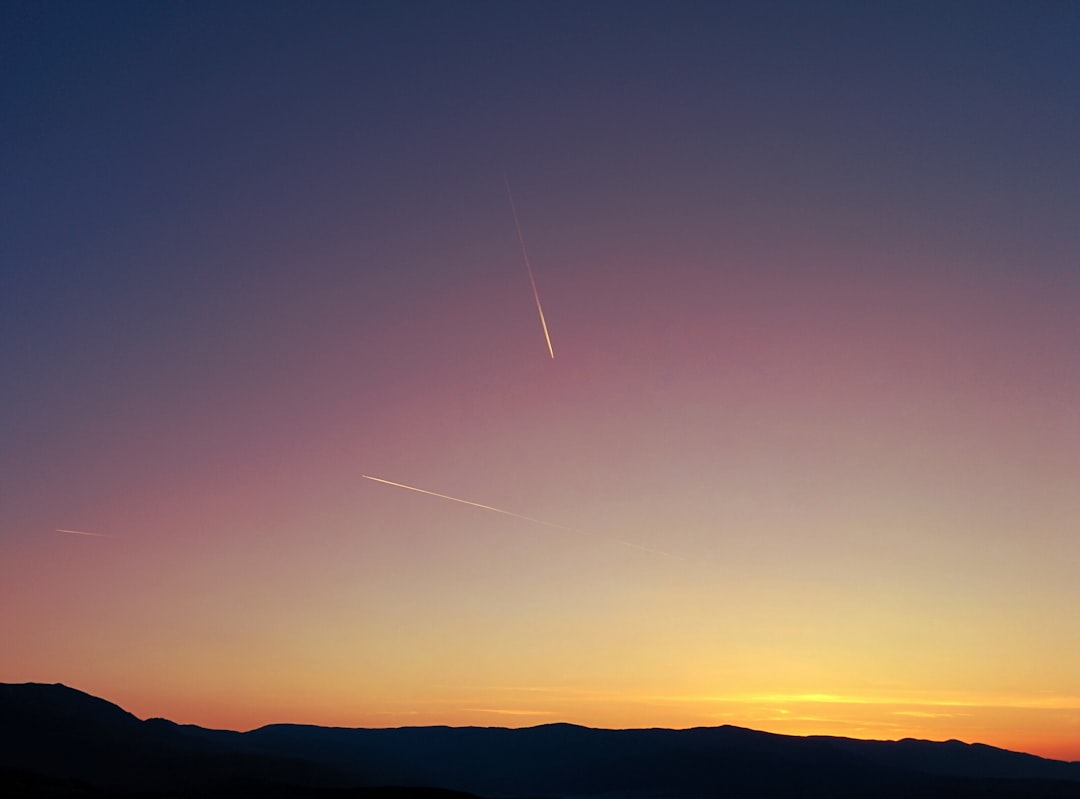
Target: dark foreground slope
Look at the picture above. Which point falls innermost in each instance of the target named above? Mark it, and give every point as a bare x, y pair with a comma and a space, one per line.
58, 742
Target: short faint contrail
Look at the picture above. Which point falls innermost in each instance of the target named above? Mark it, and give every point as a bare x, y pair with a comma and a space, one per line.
82, 532
528, 266
619, 541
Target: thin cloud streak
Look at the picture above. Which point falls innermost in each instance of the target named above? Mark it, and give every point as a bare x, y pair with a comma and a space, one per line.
82, 532
989, 701
528, 266
629, 544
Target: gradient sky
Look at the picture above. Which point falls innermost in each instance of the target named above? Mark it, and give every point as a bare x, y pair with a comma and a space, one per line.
812, 278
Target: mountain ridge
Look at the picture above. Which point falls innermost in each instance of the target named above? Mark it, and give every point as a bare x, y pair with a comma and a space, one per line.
54, 732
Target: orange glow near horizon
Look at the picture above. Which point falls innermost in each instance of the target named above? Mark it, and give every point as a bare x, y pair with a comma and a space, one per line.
1040, 725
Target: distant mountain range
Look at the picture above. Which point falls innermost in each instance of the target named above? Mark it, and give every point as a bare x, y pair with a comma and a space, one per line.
56, 741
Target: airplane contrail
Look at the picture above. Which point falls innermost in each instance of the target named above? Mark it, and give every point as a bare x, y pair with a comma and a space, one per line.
83, 532
480, 505
528, 266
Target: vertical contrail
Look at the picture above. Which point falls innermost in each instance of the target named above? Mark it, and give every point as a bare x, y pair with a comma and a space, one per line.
610, 540
528, 266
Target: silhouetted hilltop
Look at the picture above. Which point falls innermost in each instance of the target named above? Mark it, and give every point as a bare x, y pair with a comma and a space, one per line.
564, 760
56, 733
32, 703
957, 759
59, 742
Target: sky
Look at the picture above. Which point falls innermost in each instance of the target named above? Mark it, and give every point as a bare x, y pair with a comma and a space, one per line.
803, 455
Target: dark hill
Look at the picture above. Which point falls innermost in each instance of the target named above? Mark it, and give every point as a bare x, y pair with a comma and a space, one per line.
957, 759
58, 742
52, 733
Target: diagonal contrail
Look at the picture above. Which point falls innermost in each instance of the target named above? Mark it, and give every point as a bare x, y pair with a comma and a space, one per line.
528, 266
474, 504
619, 541
82, 532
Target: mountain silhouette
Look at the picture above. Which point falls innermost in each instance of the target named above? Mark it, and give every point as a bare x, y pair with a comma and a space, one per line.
59, 742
